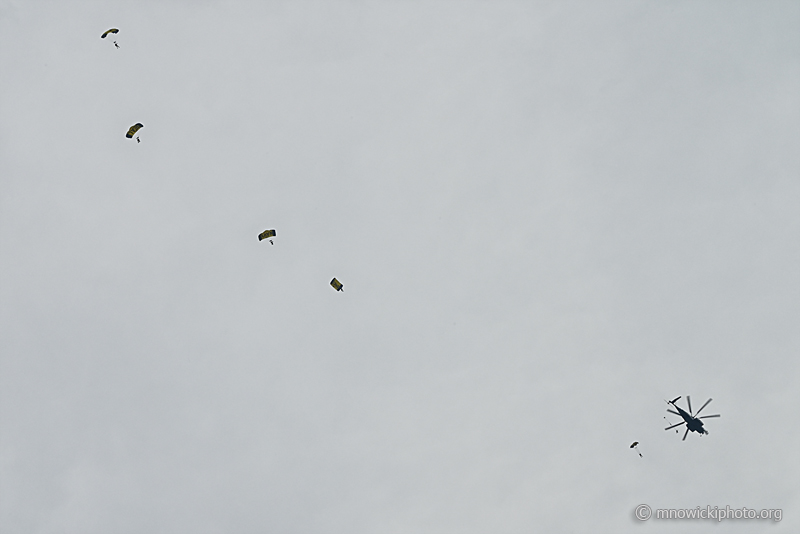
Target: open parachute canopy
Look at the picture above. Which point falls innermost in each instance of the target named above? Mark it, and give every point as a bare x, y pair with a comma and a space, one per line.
133, 129
635, 443
266, 234
112, 30
337, 285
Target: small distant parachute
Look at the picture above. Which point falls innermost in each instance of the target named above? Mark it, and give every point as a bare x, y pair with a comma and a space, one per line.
133, 129
337, 285
112, 30
635, 445
267, 234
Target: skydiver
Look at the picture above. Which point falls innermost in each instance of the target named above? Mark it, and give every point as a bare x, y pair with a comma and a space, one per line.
115, 44
270, 242
138, 140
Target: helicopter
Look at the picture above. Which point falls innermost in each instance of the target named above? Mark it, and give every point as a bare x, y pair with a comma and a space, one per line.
692, 422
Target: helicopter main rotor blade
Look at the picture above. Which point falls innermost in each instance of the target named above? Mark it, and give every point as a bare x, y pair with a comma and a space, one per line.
685, 434
689, 400
676, 413
676, 424
708, 416
703, 406
673, 401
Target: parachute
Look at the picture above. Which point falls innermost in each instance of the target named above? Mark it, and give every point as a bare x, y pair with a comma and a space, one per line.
133, 129
266, 234
337, 285
635, 445
112, 30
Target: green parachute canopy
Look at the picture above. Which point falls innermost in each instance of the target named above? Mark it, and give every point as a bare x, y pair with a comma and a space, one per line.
337, 285
112, 30
133, 129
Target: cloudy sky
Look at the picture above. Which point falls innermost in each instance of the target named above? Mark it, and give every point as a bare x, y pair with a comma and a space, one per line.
548, 217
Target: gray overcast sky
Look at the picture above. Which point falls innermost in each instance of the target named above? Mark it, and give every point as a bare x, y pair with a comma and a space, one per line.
548, 217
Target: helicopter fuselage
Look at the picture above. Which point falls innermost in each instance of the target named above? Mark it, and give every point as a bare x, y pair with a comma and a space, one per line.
692, 423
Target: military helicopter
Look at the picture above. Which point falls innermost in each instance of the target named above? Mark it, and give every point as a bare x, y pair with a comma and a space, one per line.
692, 422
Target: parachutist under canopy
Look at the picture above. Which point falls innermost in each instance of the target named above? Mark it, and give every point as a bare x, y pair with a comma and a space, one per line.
115, 44
266, 234
138, 140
